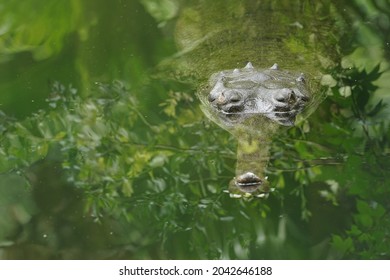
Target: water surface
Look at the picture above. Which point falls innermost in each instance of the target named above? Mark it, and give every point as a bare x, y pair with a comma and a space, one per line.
105, 152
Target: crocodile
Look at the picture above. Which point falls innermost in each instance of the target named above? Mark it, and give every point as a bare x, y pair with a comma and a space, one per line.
255, 98
252, 104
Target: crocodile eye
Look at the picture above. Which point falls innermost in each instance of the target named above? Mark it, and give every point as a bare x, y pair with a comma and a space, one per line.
292, 99
235, 99
286, 98
280, 98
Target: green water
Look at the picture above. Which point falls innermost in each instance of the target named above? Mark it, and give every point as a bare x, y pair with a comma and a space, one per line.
105, 153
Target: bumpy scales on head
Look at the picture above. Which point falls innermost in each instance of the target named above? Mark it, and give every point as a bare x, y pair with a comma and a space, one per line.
274, 93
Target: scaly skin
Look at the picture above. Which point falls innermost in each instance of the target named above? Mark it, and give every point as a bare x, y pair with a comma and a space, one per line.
253, 103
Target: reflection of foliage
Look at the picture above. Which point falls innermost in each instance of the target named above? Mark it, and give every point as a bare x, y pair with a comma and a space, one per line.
99, 153
162, 182
353, 157
19, 25
154, 176
77, 42
138, 173
161, 10
373, 24
367, 166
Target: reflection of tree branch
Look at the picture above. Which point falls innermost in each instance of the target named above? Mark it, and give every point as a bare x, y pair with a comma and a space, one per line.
312, 144
310, 163
226, 154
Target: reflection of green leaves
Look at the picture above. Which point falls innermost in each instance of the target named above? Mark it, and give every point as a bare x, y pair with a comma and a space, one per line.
343, 246
161, 10
16, 205
108, 148
166, 179
20, 147
363, 86
378, 107
173, 100
346, 148
147, 155
369, 214
30, 27
367, 238
364, 171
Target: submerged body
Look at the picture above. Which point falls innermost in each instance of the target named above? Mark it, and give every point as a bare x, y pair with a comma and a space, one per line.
216, 39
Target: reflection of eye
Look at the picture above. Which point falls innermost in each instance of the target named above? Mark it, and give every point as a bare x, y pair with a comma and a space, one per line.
240, 84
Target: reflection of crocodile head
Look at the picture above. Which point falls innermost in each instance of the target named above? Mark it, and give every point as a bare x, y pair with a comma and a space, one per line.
278, 95
252, 104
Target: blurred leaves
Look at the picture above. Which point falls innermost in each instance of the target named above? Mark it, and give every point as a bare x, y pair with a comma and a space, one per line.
347, 147
143, 164
372, 23
26, 28
74, 42
109, 151
363, 174
161, 10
